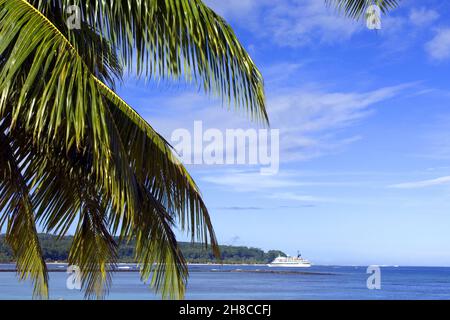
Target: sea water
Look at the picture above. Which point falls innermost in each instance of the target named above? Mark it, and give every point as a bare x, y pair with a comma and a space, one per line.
259, 282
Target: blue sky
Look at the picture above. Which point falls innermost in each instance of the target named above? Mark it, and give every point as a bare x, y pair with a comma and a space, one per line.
364, 121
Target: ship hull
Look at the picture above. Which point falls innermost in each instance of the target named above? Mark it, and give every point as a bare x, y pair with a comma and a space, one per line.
288, 265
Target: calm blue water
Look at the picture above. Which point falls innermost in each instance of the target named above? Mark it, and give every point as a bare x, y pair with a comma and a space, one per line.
217, 282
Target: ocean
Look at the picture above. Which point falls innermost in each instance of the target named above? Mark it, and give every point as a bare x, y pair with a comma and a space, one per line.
259, 282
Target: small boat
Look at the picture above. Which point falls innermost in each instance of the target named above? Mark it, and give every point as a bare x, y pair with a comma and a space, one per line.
290, 262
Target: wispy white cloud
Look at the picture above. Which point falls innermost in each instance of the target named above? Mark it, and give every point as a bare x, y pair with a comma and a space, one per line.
279, 72
422, 17
291, 23
251, 181
422, 183
248, 180
298, 197
235, 8
240, 208
317, 110
299, 23
320, 116
311, 119
439, 47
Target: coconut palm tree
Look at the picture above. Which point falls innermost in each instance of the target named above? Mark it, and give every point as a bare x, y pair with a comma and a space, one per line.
73, 152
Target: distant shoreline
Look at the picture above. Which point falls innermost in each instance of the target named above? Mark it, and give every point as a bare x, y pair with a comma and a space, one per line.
189, 264
55, 249
283, 271
119, 264
253, 264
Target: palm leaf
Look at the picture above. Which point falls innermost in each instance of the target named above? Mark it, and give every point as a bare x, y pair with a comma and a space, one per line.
21, 228
105, 149
93, 248
356, 8
176, 38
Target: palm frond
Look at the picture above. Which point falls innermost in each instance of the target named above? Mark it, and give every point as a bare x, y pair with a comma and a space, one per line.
177, 39
93, 249
356, 8
16, 208
68, 104
86, 138
164, 175
157, 250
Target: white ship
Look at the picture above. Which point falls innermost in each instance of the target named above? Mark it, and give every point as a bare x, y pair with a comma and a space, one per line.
291, 262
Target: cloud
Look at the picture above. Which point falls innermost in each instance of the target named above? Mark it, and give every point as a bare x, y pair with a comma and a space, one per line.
310, 23
320, 116
254, 208
251, 181
310, 118
297, 197
422, 184
279, 72
422, 16
237, 208
317, 110
300, 23
439, 47
234, 8
289, 23
247, 180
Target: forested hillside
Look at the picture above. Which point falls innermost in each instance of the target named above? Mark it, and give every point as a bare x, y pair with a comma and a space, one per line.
57, 250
